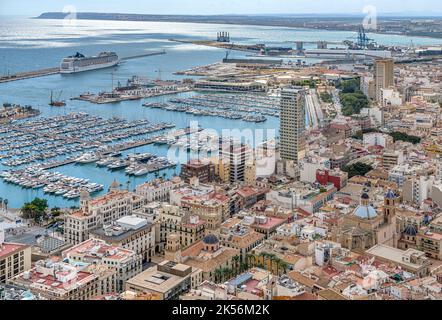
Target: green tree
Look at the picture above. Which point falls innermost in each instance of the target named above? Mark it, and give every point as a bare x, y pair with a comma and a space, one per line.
236, 265
350, 86
353, 103
250, 261
326, 97
283, 266
400, 136
218, 275
35, 210
56, 212
357, 169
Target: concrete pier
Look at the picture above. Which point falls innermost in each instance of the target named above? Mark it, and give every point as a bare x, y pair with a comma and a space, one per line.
56, 70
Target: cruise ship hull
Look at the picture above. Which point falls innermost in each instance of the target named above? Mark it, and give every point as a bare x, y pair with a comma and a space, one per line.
89, 68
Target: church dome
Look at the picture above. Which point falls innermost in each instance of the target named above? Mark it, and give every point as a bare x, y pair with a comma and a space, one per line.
210, 239
365, 196
410, 230
365, 212
390, 195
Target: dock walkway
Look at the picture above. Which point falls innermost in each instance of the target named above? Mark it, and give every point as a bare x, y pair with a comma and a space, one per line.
124, 147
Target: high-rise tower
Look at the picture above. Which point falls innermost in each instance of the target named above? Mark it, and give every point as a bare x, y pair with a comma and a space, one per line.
383, 76
292, 124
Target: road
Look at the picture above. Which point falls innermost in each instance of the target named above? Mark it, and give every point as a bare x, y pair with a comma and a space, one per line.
25, 235
337, 102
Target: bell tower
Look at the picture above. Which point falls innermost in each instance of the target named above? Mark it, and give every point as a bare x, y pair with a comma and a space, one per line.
84, 201
173, 248
390, 203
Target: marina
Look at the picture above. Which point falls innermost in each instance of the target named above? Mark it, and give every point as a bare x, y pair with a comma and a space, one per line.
246, 107
49, 138
137, 164
214, 113
35, 147
51, 182
126, 40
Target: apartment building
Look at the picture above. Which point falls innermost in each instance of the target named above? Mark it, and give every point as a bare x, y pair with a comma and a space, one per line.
130, 232
55, 280
175, 220
158, 190
15, 258
292, 124
126, 262
98, 211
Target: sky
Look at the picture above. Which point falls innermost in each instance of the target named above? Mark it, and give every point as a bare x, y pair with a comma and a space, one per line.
35, 7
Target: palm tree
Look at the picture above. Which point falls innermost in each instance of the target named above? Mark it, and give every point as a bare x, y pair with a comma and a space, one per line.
226, 273
250, 260
6, 202
235, 264
218, 275
1, 203
263, 256
270, 259
284, 265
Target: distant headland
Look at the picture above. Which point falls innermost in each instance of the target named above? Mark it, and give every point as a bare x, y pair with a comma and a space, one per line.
391, 24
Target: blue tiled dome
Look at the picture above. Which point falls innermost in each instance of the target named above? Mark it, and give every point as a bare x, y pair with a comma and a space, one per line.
210, 239
390, 195
410, 230
365, 212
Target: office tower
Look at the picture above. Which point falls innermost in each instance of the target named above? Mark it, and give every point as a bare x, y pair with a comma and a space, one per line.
383, 76
292, 124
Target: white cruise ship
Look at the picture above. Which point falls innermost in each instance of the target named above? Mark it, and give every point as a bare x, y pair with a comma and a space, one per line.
79, 62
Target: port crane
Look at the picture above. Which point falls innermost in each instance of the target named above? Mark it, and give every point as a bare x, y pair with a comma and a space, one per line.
363, 40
